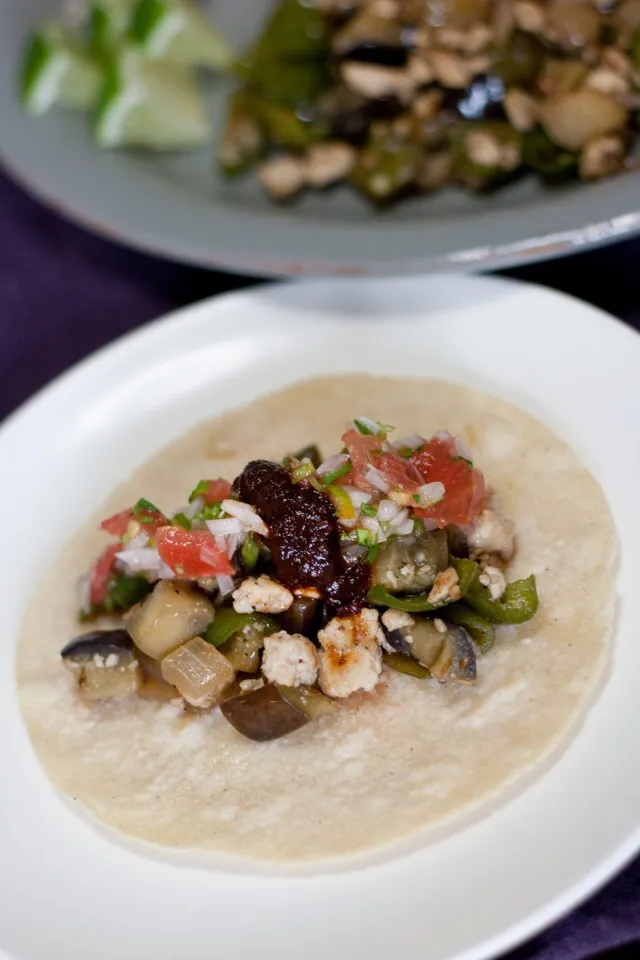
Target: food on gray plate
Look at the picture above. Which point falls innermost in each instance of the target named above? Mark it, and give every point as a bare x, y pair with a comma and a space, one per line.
404, 97
334, 646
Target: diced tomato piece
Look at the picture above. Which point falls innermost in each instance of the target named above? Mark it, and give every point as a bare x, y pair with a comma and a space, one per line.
192, 553
149, 521
464, 486
102, 570
360, 447
401, 474
219, 489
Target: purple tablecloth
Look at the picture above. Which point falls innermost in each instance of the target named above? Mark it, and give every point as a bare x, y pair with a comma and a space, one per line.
63, 293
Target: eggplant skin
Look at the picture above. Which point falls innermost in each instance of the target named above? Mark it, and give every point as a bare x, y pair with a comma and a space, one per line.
263, 714
101, 643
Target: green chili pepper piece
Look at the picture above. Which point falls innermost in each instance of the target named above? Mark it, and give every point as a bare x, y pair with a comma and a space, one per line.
330, 478
479, 628
250, 553
341, 501
199, 491
398, 661
518, 603
310, 453
227, 623
467, 571
182, 520
303, 471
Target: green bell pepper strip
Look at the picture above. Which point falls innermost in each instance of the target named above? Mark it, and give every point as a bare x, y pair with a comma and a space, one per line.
467, 571
227, 623
478, 628
518, 603
407, 665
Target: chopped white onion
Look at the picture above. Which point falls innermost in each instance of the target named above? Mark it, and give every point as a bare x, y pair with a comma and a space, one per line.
413, 441
374, 528
136, 542
375, 478
332, 463
404, 529
462, 449
369, 424
400, 518
247, 516
431, 493
142, 560
192, 508
225, 585
387, 510
233, 542
221, 528
357, 497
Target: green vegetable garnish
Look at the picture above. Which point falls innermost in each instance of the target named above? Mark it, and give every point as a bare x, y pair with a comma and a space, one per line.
368, 510
467, 571
227, 623
302, 472
330, 478
181, 520
199, 491
123, 592
477, 626
143, 504
373, 553
211, 511
341, 502
518, 603
364, 537
407, 665
250, 552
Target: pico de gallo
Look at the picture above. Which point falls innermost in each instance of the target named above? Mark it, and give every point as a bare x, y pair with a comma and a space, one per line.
278, 596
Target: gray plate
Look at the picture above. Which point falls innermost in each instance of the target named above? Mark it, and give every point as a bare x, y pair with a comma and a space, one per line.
176, 205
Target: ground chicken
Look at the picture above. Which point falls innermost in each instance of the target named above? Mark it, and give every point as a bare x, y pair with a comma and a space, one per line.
492, 533
350, 658
290, 659
445, 587
263, 595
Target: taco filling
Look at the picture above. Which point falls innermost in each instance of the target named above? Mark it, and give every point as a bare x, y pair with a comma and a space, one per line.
279, 595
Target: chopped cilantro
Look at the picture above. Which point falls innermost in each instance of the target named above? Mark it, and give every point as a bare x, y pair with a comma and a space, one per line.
368, 510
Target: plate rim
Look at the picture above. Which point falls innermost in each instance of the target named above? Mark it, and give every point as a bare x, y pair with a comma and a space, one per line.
625, 851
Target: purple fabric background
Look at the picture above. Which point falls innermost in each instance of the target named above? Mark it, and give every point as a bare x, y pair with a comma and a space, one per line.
64, 293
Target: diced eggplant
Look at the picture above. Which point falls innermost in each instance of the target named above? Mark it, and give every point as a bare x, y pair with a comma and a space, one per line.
199, 671
425, 640
170, 616
104, 663
303, 616
457, 659
243, 649
407, 665
309, 701
411, 564
264, 714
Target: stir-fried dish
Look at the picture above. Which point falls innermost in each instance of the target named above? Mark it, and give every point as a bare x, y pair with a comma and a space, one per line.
277, 597
403, 97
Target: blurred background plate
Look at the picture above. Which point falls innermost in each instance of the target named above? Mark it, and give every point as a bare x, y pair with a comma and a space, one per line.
177, 206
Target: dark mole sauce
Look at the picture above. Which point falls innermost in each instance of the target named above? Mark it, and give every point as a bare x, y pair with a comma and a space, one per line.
304, 538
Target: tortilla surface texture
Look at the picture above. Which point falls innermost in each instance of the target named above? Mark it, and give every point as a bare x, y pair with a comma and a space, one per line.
387, 766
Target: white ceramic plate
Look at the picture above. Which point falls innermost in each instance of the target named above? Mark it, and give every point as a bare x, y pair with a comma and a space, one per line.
71, 892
